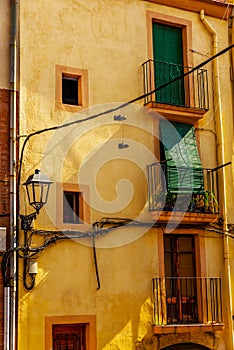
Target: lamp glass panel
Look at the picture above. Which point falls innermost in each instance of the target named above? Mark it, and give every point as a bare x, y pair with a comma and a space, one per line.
30, 193
44, 193
37, 193
41, 191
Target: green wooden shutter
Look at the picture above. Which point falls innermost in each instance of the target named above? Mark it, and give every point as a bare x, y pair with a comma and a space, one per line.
168, 56
167, 43
184, 169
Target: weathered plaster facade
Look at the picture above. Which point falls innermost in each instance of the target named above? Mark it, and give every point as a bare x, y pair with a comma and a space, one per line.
105, 43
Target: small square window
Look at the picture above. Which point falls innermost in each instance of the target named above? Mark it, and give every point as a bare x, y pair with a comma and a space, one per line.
70, 90
72, 207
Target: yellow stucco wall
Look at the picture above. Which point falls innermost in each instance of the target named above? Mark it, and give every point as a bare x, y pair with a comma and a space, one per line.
108, 38
123, 311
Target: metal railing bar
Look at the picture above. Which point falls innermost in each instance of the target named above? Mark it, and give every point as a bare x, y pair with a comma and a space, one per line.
182, 303
183, 91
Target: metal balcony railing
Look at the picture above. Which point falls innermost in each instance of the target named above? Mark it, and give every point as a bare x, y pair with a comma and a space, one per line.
190, 91
182, 189
187, 300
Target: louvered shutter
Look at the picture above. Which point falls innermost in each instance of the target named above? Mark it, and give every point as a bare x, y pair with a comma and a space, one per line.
184, 169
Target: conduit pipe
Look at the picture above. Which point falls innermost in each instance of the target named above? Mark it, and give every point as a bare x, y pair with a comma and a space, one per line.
222, 160
7, 291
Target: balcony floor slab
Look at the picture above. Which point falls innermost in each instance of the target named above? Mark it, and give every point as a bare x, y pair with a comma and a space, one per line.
176, 113
183, 217
173, 329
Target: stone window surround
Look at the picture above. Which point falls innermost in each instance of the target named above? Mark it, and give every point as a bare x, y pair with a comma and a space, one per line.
89, 320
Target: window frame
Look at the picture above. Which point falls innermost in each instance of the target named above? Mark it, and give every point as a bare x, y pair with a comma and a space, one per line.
77, 206
82, 80
200, 253
200, 250
84, 206
88, 320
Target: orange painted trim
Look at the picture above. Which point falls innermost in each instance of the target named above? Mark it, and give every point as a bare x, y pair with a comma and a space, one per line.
200, 252
213, 8
156, 136
89, 320
161, 266
191, 231
82, 74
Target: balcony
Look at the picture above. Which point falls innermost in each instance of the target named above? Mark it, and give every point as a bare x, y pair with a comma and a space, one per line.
184, 97
182, 190
187, 301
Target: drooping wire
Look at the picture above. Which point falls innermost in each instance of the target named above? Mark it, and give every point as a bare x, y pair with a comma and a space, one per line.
28, 137
114, 109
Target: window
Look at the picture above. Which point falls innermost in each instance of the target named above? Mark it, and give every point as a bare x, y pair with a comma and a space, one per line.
71, 90
70, 332
180, 274
72, 207
168, 63
179, 255
179, 148
69, 336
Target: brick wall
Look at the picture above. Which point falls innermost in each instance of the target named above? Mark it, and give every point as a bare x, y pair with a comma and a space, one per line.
4, 157
4, 180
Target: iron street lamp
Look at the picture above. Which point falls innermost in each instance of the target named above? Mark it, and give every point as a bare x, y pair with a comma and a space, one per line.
37, 187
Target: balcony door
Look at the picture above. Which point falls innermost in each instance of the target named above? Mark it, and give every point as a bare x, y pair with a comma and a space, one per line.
180, 279
168, 63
